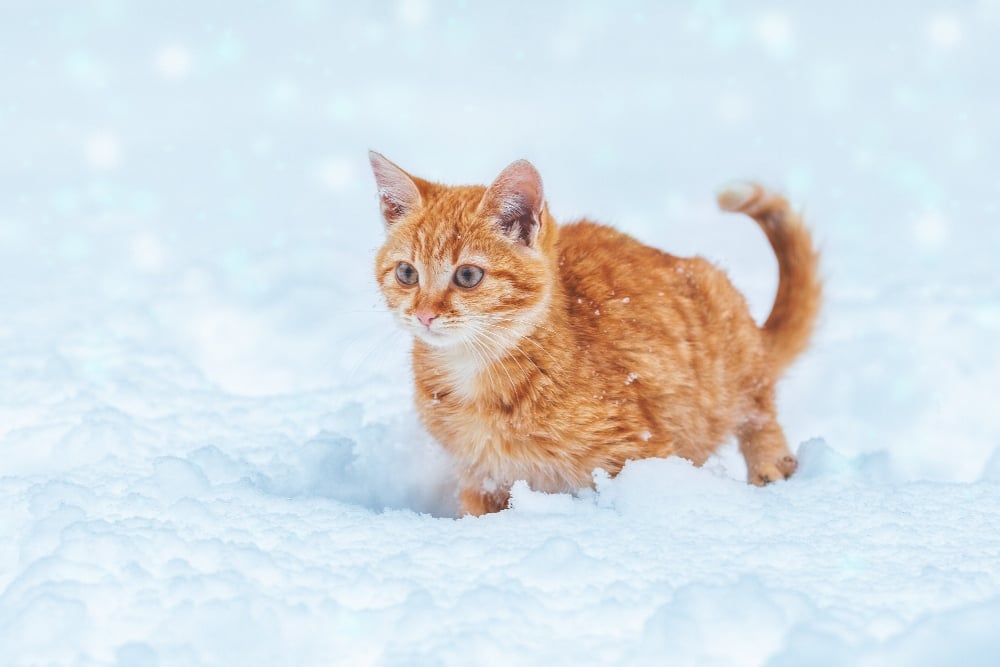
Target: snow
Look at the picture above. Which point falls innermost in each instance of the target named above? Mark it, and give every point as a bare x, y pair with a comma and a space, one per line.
210, 454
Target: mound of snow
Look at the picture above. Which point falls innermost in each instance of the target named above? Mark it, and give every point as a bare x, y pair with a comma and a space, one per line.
209, 453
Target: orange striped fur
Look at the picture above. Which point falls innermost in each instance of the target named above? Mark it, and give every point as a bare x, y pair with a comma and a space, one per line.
581, 348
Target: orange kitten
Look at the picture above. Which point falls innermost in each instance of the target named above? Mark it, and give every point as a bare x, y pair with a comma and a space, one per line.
542, 352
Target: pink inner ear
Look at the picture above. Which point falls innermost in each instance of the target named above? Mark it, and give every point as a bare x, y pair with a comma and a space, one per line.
515, 201
518, 187
398, 194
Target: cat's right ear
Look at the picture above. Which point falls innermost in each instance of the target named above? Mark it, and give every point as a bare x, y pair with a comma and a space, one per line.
515, 201
397, 193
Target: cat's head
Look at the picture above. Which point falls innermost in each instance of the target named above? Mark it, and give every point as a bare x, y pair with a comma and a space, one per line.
466, 265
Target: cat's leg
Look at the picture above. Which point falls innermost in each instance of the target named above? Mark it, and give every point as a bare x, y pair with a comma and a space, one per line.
763, 445
477, 502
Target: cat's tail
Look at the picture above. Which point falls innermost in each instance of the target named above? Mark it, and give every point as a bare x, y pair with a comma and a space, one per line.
796, 306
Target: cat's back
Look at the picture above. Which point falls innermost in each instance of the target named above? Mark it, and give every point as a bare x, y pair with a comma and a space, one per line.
598, 262
623, 290
587, 242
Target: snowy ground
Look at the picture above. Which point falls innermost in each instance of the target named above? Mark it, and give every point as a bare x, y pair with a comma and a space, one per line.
208, 454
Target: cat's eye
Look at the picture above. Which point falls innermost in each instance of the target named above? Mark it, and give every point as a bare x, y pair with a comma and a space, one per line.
468, 276
406, 274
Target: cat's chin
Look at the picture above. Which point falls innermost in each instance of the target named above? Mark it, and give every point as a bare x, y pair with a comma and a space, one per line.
436, 338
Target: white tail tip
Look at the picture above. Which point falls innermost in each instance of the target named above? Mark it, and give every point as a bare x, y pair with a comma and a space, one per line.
738, 196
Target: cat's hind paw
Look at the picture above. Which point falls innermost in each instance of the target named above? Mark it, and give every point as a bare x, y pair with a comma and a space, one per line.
764, 473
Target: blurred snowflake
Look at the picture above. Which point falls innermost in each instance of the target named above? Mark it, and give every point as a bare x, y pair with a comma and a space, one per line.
412, 12
944, 31
173, 61
103, 150
337, 174
775, 32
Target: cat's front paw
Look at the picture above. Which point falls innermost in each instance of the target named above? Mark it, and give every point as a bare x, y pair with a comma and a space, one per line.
475, 502
765, 472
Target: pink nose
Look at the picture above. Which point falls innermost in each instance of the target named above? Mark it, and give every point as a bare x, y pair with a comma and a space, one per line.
426, 318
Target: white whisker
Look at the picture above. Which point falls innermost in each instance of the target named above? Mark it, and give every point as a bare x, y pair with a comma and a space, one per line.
480, 335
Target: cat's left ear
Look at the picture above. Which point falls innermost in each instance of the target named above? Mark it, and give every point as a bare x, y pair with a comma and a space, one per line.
397, 192
514, 201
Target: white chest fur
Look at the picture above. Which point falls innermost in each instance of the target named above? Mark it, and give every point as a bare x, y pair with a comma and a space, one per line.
462, 366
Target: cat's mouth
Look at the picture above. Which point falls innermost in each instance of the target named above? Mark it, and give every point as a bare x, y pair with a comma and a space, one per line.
452, 332
436, 335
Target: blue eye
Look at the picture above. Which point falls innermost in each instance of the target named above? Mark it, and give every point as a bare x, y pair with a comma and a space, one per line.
406, 274
468, 276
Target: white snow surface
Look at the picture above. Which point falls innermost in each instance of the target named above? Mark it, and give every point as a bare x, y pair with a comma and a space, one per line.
208, 449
